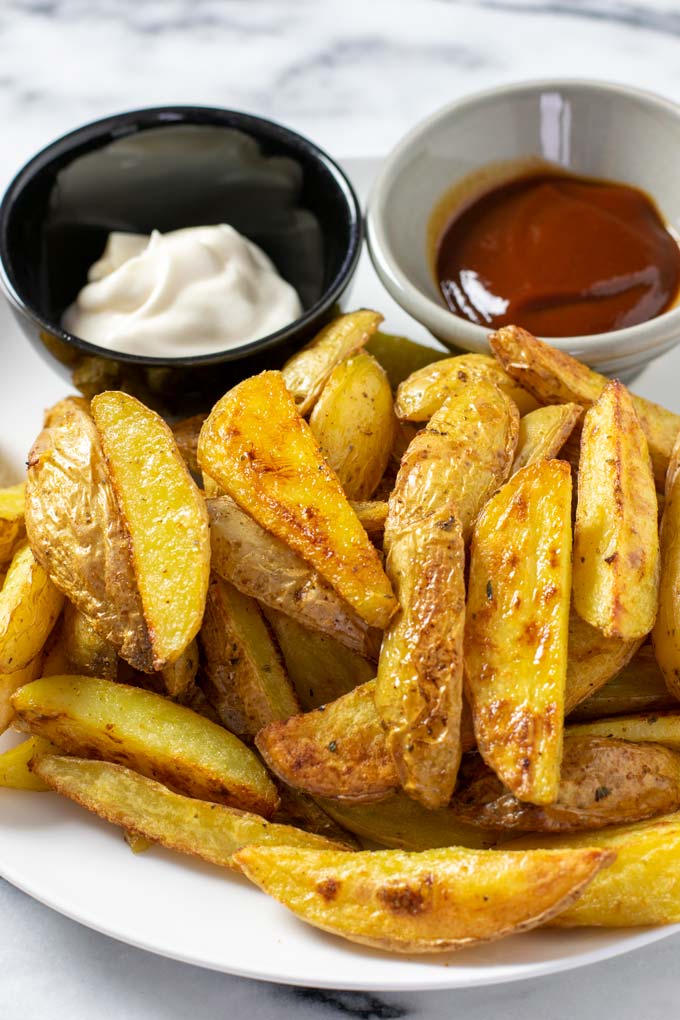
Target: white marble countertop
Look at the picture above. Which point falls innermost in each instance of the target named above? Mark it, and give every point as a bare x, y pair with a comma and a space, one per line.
354, 75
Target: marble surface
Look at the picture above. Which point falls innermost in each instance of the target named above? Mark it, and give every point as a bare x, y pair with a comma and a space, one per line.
353, 75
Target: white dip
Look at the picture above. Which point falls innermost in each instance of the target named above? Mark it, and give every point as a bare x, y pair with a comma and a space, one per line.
194, 291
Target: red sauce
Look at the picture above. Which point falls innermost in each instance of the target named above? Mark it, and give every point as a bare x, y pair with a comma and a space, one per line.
560, 256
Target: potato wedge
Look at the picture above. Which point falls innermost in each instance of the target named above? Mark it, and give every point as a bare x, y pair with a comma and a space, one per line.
166, 519
543, 432
77, 532
400, 356
243, 674
516, 633
212, 832
426, 390
29, 607
264, 455
262, 566
554, 377
372, 514
15, 771
666, 634
12, 527
307, 372
179, 677
642, 886
602, 782
638, 687
616, 541
354, 424
87, 652
320, 668
645, 727
303, 812
402, 823
186, 433
426, 902
338, 751
592, 660
154, 736
11, 682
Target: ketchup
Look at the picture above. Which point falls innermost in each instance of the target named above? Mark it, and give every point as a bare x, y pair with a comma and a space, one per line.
560, 256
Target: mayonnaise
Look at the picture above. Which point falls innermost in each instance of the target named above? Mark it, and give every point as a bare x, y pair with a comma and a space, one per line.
193, 291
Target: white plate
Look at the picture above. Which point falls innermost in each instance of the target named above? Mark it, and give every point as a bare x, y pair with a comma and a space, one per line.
180, 908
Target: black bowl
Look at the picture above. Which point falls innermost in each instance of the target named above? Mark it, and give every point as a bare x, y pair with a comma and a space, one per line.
167, 168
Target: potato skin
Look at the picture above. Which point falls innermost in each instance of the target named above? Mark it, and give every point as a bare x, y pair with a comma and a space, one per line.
354, 424
616, 542
666, 633
517, 628
603, 781
425, 902
400, 356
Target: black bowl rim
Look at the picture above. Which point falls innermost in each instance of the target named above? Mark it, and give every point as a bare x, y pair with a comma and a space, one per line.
131, 121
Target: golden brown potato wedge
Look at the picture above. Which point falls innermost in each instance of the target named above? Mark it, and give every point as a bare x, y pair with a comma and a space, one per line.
666, 634
354, 424
264, 455
616, 540
15, 771
423, 393
307, 372
642, 886
165, 517
425, 902
11, 682
29, 607
544, 431
592, 660
149, 733
403, 824
243, 675
638, 687
179, 677
644, 727
262, 566
186, 433
602, 782
554, 377
320, 668
516, 633
12, 527
400, 356
212, 832
87, 653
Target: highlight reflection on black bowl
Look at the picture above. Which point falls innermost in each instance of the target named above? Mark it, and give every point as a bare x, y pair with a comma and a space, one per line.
163, 169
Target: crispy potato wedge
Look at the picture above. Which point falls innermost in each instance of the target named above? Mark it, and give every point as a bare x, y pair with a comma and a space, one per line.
426, 390
11, 682
212, 832
644, 727
87, 652
262, 566
638, 687
666, 634
243, 674
554, 377
354, 424
264, 455
307, 372
186, 433
516, 633
303, 812
166, 519
592, 660
156, 737
338, 751
320, 668
401, 357
372, 514
616, 541
426, 902
77, 532
402, 823
543, 432
602, 782
179, 677
12, 528
642, 886
15, 771
29, 607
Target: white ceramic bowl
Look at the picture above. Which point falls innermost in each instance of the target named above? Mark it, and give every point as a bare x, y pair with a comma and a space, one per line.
592, 128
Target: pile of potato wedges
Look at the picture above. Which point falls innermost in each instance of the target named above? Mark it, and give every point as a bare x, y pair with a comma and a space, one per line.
395, 634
